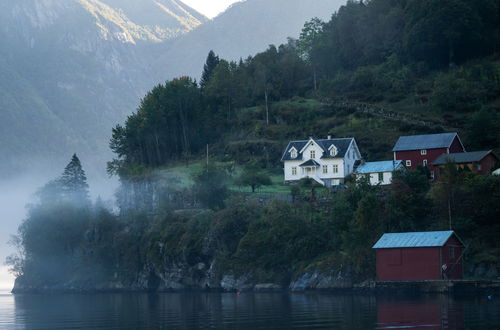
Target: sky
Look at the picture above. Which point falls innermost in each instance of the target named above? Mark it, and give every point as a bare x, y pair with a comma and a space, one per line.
210, 8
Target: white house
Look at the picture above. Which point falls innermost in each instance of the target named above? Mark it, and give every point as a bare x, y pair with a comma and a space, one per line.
326, 161
379, 172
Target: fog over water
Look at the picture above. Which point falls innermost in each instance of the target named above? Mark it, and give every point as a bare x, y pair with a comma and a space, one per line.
17, 192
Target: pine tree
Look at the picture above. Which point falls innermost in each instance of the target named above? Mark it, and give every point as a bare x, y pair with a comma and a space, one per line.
208, 69
74, 182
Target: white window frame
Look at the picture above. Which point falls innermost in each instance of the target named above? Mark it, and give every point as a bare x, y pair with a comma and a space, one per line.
425, 162
335, 168
293, 153
381, 174
408, 163
423, 152
325, 169
312, 154
294, 170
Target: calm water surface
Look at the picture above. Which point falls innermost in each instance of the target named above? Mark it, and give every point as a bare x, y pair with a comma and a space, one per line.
245, 311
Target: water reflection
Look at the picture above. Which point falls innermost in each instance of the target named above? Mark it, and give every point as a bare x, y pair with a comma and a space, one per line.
245, 311
425, 313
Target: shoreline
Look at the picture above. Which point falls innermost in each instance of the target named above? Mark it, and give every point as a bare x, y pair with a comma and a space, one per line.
368, 287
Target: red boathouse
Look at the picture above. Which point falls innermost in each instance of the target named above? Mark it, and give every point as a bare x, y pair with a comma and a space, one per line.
435, 255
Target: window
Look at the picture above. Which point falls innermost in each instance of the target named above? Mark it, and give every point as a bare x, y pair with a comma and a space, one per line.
408, 163
335, 169
333, 151
452, 253
325, 169
423, 152
293, 153
433, 176
425, 162
479, 168
313, 154
380, 177
294, 171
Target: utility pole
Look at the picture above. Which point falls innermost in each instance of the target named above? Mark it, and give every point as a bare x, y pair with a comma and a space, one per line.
449, 212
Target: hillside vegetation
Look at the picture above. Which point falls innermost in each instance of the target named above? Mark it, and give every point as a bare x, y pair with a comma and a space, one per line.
376, 71
390, 66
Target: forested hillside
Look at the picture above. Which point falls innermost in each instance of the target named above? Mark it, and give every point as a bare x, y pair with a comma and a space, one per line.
415, 61
377, 70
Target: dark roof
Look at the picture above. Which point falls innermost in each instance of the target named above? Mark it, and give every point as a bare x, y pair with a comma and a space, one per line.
416, 239
341, 144
310, 162
463, 157
427, 141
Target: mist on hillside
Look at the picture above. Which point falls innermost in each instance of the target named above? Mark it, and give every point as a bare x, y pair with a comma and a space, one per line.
19, 191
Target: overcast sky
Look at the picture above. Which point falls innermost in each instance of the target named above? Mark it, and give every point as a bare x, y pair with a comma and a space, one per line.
210, 8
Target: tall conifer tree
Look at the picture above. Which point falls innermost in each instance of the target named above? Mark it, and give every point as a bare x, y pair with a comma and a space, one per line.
74, 182
208, 69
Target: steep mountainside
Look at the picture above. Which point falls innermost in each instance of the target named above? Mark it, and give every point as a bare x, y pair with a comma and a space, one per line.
246, 28
71, 69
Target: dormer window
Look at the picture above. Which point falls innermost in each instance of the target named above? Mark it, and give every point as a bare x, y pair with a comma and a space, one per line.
293, 153
333, 151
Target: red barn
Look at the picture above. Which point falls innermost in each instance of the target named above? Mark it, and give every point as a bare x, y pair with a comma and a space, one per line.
478, 162
424, 149
434, 255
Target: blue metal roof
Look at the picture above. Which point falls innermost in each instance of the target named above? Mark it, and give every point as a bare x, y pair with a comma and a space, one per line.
427, 141
417, 239
378, 167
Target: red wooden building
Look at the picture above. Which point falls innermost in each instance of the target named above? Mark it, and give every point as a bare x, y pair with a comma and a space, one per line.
415, 256
478, 162
424, 149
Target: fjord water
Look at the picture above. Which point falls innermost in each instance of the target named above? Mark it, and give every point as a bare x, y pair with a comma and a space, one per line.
246, 311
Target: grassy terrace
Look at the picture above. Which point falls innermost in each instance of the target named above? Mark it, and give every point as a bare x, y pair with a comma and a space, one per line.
182, 175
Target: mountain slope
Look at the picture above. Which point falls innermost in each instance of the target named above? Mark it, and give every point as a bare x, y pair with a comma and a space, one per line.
71, 69
244, 29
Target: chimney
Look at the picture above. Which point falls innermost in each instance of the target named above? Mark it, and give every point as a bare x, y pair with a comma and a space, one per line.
329, 137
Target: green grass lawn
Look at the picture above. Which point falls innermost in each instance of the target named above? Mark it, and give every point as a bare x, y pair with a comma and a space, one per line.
183, 175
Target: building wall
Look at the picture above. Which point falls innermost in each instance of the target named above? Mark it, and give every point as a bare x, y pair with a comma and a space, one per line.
412, 264
417, 158
289, 164
488, 164
374, 180
407, 264
350, 159
456, 146
452, 260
